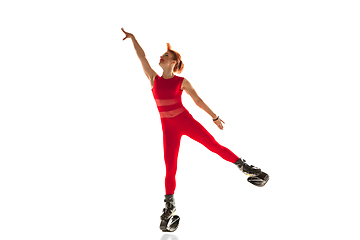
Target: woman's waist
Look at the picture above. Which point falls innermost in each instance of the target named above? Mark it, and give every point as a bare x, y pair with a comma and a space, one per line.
173, 113
170, 107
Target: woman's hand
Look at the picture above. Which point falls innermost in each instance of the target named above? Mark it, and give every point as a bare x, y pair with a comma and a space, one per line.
219, 124
128, 35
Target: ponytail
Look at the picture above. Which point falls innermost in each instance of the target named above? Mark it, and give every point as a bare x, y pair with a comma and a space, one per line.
180, 65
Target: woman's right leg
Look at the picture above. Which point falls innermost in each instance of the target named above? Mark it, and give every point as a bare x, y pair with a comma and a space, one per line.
171, 142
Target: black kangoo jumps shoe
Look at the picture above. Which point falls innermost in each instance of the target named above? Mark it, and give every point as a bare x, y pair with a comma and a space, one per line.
247, 169
169, 221
260, 180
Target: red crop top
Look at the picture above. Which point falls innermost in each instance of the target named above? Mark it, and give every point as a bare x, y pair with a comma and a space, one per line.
167, 95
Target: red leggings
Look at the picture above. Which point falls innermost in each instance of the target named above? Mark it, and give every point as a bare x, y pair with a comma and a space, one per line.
173, 129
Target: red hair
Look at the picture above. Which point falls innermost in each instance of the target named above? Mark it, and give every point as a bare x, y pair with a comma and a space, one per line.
179, 66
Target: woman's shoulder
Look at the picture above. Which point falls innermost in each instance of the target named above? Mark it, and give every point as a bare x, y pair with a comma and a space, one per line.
152, 80
183, 82
180, 79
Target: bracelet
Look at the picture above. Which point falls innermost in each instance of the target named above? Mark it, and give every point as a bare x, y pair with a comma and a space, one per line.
216, 119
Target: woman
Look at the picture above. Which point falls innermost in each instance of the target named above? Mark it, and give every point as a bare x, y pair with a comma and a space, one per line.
177, 121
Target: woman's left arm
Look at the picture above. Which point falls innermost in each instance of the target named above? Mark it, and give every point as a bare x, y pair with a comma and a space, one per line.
199, 102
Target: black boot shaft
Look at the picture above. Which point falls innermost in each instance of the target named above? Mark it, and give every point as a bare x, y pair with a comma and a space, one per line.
169, 199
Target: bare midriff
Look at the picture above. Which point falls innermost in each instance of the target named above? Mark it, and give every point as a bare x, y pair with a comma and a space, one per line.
166, 107
172, 113
166, 102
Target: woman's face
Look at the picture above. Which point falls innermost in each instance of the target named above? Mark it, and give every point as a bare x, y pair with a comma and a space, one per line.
166, 59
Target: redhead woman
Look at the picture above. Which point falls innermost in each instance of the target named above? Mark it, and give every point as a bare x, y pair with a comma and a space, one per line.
176, 121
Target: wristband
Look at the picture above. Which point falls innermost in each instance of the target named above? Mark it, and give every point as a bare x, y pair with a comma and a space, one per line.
216, 119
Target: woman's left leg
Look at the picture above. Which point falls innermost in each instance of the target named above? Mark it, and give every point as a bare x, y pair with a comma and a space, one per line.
197, 132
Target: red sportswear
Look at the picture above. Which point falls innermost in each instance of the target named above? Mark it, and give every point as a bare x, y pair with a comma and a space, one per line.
177, 121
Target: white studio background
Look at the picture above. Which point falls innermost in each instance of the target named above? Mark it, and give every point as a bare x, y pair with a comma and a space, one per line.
80, 135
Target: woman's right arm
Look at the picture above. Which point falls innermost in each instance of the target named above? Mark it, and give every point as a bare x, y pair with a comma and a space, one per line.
150, 73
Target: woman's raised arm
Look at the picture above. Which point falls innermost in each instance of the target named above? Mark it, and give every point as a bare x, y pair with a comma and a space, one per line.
150, 73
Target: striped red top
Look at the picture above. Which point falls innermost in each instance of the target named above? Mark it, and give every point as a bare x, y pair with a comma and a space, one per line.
167, 94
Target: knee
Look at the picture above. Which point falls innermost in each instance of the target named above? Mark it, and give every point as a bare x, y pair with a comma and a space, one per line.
215, 147
171, 171
170, 177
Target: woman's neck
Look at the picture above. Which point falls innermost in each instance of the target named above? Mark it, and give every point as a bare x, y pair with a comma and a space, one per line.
168, 75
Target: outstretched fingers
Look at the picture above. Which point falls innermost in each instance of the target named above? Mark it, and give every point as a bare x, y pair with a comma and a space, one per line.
218, 123
128, 35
